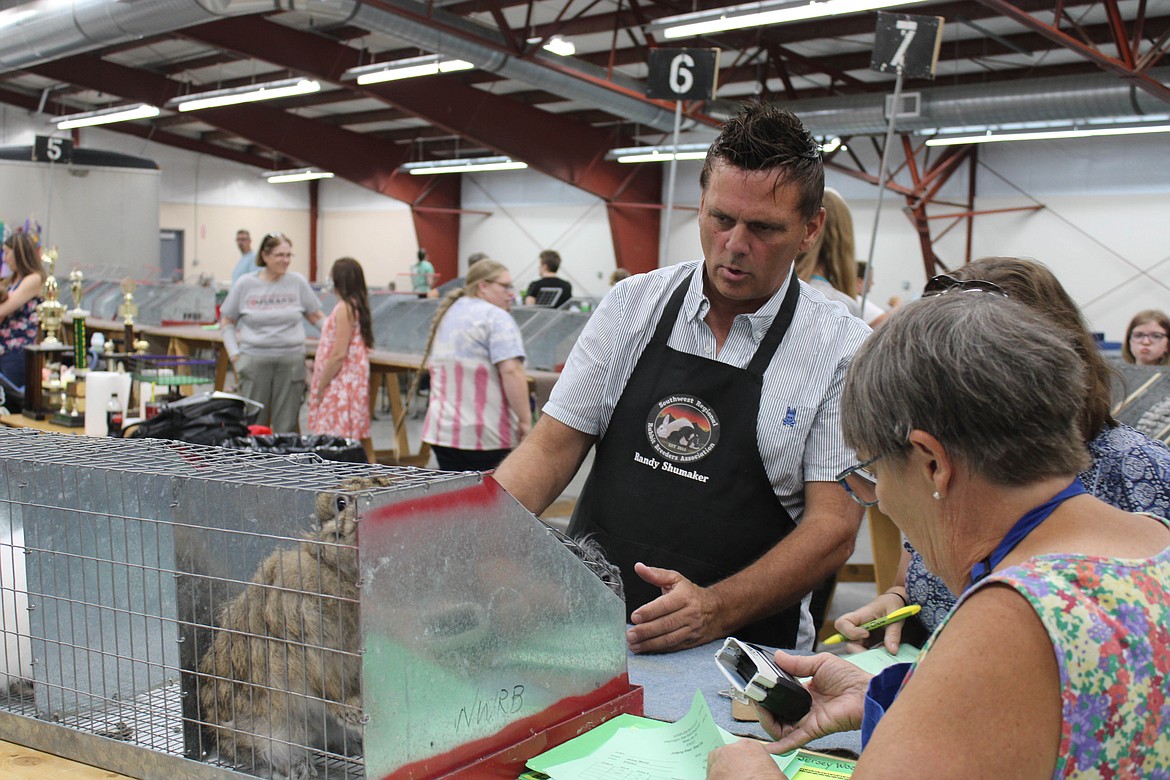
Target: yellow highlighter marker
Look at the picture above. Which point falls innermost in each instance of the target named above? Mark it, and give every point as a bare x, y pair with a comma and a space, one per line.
893, 617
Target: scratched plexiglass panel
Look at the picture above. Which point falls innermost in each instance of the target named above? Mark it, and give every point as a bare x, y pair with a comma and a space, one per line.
479, 628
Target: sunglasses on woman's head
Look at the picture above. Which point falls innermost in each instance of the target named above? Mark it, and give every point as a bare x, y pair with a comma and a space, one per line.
944, 283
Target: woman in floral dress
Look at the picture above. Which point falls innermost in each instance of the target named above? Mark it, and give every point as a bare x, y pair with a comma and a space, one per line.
339, 396
20, 292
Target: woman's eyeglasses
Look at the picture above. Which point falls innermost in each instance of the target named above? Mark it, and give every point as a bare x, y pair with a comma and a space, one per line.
509, 286
271, 239
944, 283
1153, 338
860, 482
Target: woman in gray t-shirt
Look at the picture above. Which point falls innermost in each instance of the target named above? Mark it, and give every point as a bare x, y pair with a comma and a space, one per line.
263, 326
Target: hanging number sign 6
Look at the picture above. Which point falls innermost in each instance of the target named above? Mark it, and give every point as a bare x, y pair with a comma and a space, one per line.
682, 74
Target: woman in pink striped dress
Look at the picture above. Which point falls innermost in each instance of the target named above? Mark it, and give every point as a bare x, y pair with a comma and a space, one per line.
478, 409
339, 396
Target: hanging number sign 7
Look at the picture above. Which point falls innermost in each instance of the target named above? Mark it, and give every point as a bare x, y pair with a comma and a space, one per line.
682, 74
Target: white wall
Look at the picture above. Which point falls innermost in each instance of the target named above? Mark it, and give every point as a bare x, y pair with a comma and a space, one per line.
1104, 229
100, 219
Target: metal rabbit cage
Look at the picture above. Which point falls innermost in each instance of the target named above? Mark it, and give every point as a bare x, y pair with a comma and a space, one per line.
200, 612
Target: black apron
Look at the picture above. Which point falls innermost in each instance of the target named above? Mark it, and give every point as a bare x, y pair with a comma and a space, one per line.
677, 480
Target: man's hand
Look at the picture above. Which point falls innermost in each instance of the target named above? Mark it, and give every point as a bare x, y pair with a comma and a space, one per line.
743, 760
685, 615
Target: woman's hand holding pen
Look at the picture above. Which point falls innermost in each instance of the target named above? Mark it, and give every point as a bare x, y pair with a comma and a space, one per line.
850, 623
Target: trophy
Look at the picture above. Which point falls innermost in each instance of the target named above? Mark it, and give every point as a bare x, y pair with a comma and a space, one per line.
51, 312
126, 310
49, 260
78, 314
40, 395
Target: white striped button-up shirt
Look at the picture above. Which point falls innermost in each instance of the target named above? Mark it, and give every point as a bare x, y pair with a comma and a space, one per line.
799, 425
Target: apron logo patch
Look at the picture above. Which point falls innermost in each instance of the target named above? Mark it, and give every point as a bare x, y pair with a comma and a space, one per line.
682, 428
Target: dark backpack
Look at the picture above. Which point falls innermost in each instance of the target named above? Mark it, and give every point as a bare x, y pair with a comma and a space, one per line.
210, 418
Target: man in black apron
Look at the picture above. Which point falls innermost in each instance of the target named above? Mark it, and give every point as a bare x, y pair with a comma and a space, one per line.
679, 483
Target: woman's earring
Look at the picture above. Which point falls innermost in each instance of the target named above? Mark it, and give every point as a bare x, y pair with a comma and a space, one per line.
937, 496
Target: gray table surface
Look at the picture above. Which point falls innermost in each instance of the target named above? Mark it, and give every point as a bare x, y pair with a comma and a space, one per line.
669, 681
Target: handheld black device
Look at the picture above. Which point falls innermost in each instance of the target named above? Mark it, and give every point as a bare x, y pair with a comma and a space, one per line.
754, 676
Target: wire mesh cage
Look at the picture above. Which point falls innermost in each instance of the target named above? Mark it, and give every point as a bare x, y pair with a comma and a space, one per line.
172, 370
174, 608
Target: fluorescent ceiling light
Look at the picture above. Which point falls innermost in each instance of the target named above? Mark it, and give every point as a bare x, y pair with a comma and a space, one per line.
763, 13
558, 45
464, 165
411, 67
251, 93
657, 154
1045, 135
106, 116
668, 152
300, 174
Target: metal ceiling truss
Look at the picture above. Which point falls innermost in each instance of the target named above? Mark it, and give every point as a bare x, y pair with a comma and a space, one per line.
558, 146
366, 161
927, 178
571, 146
1130, 63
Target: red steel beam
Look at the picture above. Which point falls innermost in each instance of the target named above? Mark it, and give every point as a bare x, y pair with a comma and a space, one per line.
361, 159
1105, 62
436, 215
558, 146
1120, 35
973, 212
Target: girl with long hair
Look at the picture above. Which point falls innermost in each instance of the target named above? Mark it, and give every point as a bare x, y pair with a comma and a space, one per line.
478, 409
339, 395
20, 293
830, 264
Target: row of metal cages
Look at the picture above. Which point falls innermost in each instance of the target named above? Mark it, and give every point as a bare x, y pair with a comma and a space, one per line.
401, 322
174, 609
1141, 396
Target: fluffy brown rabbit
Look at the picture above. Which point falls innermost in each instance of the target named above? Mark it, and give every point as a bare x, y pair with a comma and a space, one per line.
283, 670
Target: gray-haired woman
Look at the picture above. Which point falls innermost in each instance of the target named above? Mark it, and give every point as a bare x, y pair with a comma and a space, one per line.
1056, 659
262, 320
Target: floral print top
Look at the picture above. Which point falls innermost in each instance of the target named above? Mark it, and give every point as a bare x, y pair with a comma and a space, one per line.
345, 408
19, 329
1109, 622
1130, 471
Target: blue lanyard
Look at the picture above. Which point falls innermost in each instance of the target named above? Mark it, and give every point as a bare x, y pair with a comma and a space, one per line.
1024, 526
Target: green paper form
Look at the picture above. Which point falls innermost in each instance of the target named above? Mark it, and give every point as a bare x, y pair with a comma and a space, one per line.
875, 659
631, 747
639, 747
